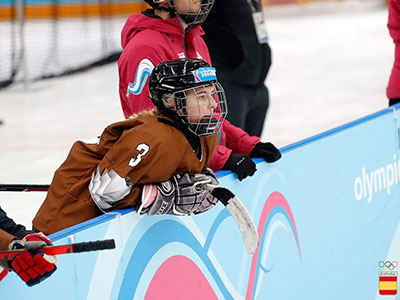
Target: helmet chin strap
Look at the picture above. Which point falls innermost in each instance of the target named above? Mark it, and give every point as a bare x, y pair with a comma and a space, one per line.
171, 11
168, 10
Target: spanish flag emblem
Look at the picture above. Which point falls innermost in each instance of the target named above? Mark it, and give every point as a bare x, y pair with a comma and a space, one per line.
387, 283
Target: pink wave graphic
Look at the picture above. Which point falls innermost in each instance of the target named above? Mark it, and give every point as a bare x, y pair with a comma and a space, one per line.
179, 278
274, 200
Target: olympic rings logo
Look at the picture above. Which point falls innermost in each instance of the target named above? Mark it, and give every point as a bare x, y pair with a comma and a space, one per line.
390, 265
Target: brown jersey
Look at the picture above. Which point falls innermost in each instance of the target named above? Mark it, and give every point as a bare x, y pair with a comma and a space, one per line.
141, 150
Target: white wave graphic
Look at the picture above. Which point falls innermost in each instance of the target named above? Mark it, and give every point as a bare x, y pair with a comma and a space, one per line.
275, 224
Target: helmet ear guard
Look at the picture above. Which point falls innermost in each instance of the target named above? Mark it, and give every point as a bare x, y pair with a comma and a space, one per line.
172, 102
166, 101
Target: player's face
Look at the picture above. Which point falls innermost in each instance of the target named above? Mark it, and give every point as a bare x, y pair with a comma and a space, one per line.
187, 6
200, 103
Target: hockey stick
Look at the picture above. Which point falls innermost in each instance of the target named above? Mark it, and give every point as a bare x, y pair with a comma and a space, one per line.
24, 187
241, 216
235, 207
62, 249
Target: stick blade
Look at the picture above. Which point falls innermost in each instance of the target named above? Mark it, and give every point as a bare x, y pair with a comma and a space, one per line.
245, 224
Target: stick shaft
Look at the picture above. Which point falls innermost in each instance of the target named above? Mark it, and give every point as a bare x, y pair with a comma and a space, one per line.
64, 249
241, 216
24, 187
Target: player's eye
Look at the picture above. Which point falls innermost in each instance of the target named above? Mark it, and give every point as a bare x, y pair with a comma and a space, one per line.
202, 96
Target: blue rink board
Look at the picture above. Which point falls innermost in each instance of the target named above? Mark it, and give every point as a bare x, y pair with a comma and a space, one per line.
327, 214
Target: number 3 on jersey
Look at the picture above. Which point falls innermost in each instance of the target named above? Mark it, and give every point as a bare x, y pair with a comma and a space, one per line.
143, 149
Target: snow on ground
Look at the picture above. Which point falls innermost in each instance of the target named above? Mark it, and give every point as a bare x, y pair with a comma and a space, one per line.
328, 69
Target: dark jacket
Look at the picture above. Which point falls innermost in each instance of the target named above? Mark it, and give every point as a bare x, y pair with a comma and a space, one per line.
233, 44
9, 230
11, 227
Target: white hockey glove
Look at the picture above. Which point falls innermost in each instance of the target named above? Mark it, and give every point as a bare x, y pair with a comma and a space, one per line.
181, 195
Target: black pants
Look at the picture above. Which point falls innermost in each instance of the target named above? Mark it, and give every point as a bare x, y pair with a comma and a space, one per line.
247, 106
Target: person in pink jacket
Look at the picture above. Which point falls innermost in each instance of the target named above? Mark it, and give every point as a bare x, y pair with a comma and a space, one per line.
393, 89
172, 30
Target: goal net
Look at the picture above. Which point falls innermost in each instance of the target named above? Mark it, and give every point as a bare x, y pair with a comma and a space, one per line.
47, 38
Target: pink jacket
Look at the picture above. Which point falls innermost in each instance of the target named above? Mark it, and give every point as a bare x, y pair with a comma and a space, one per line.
148, 41
393, 89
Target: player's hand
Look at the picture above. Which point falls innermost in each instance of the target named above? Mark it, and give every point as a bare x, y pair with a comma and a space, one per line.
182, 195
267, 151
240, 164
3, 270
32, 266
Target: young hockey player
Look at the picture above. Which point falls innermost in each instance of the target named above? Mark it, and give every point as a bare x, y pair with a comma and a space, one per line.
168, 148
172, 30
31, 266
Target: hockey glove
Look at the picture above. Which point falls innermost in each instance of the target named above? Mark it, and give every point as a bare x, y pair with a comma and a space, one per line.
267, 151
181, 195
394, 101
33, 266
241, 164
3, 271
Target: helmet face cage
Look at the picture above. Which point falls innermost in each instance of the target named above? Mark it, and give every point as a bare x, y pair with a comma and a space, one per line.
202, 108
191, 13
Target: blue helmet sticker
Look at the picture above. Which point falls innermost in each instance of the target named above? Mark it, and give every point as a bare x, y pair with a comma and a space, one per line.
204, 74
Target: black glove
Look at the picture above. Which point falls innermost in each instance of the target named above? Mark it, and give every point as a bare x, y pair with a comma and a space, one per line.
241, 164
267, 151
394, 101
